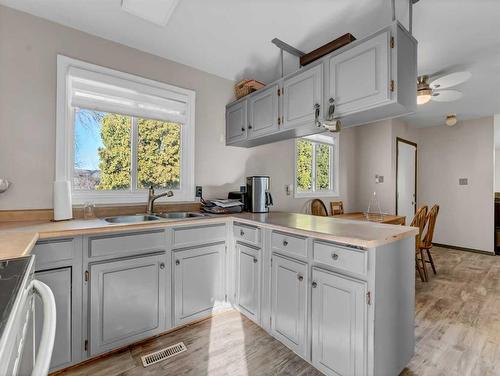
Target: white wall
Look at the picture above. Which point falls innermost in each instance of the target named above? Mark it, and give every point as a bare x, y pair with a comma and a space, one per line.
445, 154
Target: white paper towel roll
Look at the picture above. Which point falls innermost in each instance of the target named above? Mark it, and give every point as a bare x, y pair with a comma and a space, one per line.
62, 200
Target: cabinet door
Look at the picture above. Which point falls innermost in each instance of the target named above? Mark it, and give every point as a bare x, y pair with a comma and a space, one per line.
263, 112
59, 281
127, 301
300, 94
338, 324
289, 302
359, 77
198, 282
236, 122
248, 281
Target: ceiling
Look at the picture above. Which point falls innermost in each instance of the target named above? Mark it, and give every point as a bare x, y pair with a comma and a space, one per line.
231, 38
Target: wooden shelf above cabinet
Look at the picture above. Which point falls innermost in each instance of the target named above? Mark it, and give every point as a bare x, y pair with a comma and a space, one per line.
327, 48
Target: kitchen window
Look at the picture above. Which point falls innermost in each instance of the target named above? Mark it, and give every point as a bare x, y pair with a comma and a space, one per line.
316, 166
119, 134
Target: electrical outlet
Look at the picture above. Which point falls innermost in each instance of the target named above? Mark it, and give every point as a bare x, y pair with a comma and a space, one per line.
379, 179
198, 191
463, 181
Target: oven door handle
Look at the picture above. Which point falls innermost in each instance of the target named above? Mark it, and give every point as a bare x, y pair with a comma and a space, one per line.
44, 354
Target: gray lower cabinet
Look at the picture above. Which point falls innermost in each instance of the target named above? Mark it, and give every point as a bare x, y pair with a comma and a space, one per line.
59, 281
248, 280
198, 281
126, 301
289, 302
338, 324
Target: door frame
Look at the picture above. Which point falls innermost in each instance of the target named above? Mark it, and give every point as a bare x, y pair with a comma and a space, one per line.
398, 140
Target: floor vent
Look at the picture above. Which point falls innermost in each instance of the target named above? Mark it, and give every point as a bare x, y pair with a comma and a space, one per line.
163, 354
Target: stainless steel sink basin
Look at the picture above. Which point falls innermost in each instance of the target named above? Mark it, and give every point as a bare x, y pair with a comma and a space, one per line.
131, 218
181, 215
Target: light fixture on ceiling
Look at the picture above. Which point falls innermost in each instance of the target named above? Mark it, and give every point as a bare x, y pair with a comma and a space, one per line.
424, 92
155, 11
451, 120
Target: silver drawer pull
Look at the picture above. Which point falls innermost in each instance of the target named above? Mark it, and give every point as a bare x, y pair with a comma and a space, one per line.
255, 260
242, 232
177, 262
162, 265
285, 243
300, 278
314, 285
335, 256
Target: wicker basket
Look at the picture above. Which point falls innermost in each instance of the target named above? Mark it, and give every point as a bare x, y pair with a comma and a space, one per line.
245, 87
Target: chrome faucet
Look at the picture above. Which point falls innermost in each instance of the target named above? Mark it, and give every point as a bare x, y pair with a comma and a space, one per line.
152, 197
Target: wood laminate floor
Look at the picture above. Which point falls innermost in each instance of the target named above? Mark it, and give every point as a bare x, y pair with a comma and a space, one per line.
457, 332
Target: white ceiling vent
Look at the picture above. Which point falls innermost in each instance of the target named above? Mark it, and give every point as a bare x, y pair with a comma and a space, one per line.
156, 11
163, 354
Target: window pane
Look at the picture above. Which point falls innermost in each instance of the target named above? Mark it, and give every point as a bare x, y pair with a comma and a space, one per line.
101, 151
304, 165
322, 167
158, 154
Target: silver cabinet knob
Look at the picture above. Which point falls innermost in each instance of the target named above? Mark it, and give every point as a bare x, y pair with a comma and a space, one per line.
242, 232
300, 278
177, 262
335, 256
285, 243
255, 260
162, 265
314, 285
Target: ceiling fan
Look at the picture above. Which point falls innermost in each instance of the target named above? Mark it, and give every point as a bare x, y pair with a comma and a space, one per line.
438, 89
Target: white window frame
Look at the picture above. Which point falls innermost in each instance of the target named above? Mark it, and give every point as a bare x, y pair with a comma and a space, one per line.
65, 142
334, 167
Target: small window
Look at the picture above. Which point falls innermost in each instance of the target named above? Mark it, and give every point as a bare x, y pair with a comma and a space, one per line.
316, 166
119, 134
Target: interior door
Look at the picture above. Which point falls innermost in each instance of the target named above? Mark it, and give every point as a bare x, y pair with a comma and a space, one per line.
406, 181
248, 287
288, 302
359, 77
263, 112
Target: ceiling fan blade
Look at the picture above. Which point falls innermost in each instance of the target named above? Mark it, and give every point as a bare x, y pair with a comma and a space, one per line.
450, 80
446, 95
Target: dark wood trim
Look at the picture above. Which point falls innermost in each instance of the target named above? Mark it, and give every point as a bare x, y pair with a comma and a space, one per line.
456, 247
327, 48
398, 140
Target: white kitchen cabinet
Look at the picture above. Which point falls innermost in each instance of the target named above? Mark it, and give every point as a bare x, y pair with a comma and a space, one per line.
289, 303
360, 77
236, 122
248, 280
263, 112
59, 281
301, 92
198, 281
339, 315
127, 301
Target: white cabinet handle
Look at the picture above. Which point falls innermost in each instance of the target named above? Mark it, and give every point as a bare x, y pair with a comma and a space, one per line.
42, 362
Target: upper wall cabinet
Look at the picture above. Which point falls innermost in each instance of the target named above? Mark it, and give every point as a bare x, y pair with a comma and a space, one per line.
360, 77
300, 93
368, 80
263, 112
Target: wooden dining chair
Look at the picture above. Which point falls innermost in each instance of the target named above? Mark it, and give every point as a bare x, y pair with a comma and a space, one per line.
337, 207
426, 243
419, 221
318, 208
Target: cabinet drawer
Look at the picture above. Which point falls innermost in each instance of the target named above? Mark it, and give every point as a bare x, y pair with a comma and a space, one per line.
48, 252
127, 243
289, 243
348, 259
246, 233
187, 236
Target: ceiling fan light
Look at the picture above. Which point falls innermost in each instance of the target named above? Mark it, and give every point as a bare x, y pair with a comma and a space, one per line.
424, 96
451, 120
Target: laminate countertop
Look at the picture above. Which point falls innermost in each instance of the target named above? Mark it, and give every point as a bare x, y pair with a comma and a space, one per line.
18, 238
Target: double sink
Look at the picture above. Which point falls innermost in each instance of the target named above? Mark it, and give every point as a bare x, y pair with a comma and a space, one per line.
139, 218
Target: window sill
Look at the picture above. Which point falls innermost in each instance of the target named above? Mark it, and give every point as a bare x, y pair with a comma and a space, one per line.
332, 194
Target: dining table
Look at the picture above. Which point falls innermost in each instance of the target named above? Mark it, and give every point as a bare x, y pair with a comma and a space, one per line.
371, 217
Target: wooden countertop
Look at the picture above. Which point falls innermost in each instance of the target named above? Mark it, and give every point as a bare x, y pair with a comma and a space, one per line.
18, 238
